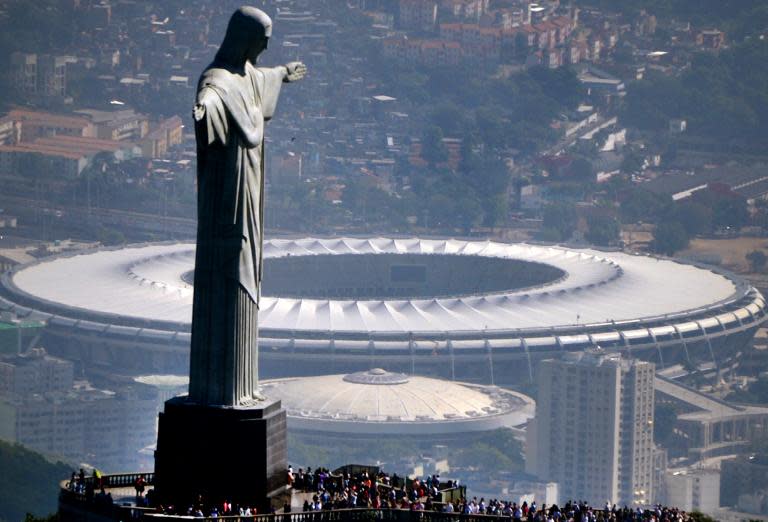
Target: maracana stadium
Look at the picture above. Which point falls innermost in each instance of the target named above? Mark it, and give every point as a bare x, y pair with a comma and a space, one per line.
475, 311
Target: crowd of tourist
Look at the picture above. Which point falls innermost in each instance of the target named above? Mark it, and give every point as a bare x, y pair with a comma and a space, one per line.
93, 490
570, 512
372, 489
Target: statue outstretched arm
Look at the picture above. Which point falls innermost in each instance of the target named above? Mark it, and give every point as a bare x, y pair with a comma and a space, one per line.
294, 71
270, 80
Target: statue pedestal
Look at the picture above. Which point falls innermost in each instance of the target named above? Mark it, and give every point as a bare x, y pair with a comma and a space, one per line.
237, 454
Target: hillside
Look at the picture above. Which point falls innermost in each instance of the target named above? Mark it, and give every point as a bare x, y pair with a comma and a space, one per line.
28, 483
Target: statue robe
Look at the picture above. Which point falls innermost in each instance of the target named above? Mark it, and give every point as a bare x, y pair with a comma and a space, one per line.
230, 112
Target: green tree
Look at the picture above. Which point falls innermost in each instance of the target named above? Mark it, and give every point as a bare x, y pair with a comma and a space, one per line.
450, 118
549, 234
632, 162
701, 517
643, 205
497, 450
668, 238
432, 147
582, 169
695, 217
729, 210
757, 260
603, 230
28, 482
560, 217
110, 236
722, 97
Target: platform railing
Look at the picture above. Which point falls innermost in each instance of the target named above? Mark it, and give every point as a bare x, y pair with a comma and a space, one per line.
86, 498
345, 515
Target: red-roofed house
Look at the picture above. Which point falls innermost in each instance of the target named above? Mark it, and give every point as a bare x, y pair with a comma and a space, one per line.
440, 52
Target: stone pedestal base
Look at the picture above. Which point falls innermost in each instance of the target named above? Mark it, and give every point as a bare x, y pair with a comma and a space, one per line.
221, 453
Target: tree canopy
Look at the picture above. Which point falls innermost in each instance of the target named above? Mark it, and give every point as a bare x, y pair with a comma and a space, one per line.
722, 97
29, 483
669, 238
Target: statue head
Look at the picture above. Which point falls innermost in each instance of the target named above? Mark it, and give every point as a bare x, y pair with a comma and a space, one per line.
247, 36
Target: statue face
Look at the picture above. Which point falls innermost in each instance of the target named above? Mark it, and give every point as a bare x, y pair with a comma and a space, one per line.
259, 44
247, 36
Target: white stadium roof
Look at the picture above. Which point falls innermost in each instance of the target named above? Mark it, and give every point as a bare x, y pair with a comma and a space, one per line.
381, 403
145, 283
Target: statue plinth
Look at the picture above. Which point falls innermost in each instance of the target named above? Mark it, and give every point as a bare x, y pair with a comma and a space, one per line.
222, 453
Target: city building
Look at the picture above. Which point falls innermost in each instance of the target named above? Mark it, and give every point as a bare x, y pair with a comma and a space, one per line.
161, 137
44, 75
9, 131
44, 408
35, 372
363, 415
710, 426
61, 155
712, 39
40, 124
52, 75
693, 489
377, 404
593, 430
24, 72
121, 125
418, 14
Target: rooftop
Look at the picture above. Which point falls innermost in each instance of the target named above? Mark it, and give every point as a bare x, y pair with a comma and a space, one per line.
381, 402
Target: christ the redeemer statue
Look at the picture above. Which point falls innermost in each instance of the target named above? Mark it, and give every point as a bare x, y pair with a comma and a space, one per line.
234, 100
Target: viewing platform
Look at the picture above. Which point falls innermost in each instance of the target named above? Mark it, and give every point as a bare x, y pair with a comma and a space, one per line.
115, 498
395, 499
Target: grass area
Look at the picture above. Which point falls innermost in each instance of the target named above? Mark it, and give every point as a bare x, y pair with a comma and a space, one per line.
728, 253
732, 252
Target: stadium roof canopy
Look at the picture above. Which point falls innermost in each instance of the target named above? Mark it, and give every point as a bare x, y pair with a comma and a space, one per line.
147, 283
380, 402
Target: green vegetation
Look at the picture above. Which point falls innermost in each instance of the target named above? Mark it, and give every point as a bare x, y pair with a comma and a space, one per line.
50, 518
491, 117
701, 517
28, 484
669, 238
757, 260
756, 393
704, 213
500, 113
499, 451
642, 205
737, 17
494, 451
603, 230
559, 223
724, 98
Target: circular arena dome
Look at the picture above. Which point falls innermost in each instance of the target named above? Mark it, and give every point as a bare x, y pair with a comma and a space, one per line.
381, 403
479, 311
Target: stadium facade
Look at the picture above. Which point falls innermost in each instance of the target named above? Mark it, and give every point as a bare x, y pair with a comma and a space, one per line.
476, 311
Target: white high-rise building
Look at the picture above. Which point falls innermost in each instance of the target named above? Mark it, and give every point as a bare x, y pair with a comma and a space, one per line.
593, 430
45, 409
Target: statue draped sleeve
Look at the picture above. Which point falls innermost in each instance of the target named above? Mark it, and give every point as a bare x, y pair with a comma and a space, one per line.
230, 116
210, 117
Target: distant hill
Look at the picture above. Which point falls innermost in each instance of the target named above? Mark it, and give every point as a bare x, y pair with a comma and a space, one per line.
28, 483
